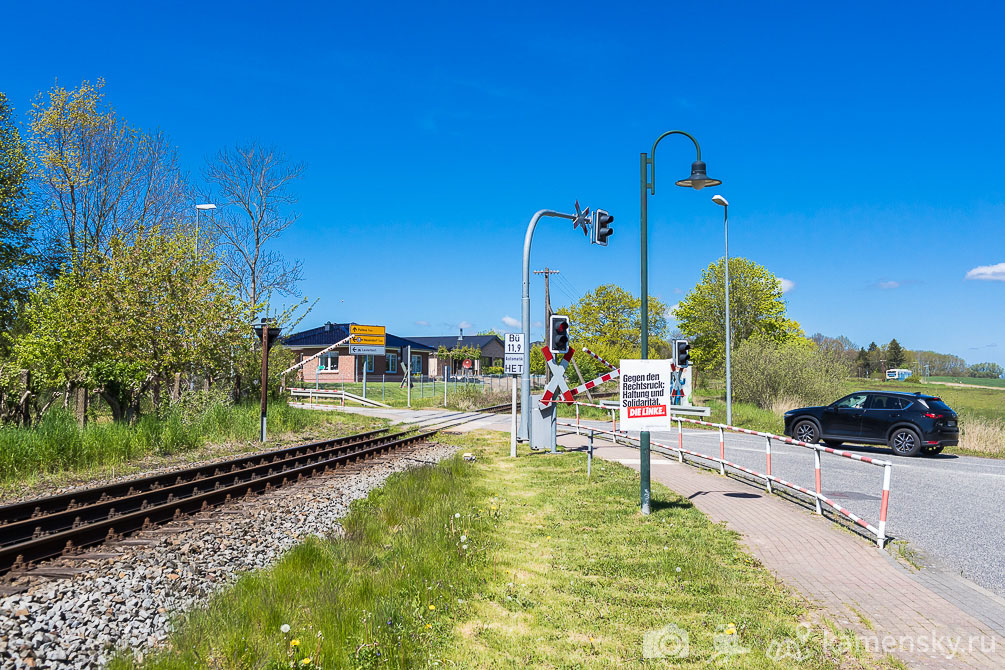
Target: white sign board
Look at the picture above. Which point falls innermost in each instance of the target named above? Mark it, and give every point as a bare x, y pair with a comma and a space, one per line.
514, 343
366, 349
513, 364
515, 352
645, 388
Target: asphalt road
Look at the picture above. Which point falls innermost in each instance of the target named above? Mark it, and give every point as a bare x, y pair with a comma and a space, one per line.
948, 507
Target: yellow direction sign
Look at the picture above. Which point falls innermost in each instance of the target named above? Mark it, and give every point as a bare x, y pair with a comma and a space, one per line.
356, 329
366, 339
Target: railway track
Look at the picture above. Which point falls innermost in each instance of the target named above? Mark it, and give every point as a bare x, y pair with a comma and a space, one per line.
45, 528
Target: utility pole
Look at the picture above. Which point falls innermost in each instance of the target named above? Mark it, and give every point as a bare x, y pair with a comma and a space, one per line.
547, 272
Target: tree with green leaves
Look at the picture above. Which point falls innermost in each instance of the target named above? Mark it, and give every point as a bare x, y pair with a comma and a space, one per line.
895, 355
98, 175
608, 320
15, 223
985, 370
131, 318
755, 305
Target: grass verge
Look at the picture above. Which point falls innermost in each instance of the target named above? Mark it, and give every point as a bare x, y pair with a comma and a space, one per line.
507, 563
57, 445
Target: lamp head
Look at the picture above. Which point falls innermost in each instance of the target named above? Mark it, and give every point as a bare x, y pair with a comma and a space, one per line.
208, 205
719, 200
698, 179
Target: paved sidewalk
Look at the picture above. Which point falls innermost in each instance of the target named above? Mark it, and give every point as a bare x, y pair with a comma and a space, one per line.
927, 619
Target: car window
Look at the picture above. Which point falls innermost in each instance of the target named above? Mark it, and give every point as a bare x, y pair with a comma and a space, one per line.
887, 402
939, 405
856, 400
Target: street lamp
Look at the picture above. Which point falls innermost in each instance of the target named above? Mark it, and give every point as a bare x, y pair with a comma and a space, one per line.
719, 200
199, 208
698, 180
267, 332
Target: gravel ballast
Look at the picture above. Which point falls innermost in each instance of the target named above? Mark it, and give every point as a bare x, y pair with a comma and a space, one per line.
128, 601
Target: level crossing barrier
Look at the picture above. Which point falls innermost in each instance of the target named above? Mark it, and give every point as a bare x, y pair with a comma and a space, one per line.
878, 530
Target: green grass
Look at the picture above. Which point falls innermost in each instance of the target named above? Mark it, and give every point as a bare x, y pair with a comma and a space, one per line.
58, 445
558, 572
970, 380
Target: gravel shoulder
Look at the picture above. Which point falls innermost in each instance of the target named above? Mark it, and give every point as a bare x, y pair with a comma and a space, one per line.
128, 595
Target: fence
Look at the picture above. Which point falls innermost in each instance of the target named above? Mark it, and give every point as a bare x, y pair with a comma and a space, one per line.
879, 531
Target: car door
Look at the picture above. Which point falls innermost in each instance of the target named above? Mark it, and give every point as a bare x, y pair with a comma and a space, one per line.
844, 418
880, 413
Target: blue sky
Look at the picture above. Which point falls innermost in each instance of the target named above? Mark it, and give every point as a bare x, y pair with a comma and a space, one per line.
860, 145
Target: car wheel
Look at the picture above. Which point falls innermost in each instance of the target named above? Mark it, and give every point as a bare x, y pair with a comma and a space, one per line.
834, 444
931, 451
806, 431
905, 442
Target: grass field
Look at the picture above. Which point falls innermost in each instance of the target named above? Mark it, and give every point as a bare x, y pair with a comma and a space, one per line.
507, 563
970, 380
57, 445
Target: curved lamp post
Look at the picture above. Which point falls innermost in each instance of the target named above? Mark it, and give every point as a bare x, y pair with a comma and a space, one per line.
698, 180
719, 200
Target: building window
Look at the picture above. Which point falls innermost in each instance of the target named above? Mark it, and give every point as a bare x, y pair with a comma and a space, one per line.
416, 368
391, 362
328, 361
368, 363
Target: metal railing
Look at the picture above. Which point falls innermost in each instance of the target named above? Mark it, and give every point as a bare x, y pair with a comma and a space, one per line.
879, 530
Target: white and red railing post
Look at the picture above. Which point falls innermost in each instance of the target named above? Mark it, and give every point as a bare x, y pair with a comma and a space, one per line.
816, 469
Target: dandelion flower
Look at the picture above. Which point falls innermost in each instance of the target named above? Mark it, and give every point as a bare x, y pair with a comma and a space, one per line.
677, 569
591, 639
464, 546
294, 643
432, 607
306, 661
285, 628
429, 625
464, 538
494, 507
457, 515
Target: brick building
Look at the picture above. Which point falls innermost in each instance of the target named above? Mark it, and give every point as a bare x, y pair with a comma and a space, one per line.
491, 346
338, 365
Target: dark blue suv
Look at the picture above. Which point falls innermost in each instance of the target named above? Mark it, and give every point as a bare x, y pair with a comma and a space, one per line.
910, 423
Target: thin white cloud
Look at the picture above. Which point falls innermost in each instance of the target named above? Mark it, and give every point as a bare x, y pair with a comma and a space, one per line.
888, 284
988, 272
786, 284
422, 323
465, 324
678, 291
511, 322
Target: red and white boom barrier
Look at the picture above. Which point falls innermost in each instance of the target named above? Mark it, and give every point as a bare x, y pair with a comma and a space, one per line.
817, 495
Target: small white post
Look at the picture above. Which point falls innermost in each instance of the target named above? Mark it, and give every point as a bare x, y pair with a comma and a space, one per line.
589, 457
512, 436
722, 451
577, 419
816, 467
767, 451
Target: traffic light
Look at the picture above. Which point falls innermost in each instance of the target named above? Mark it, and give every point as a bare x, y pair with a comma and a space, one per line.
602, 228
558, 334
681, 357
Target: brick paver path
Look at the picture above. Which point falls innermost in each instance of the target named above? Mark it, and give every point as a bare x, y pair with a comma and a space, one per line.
917, 615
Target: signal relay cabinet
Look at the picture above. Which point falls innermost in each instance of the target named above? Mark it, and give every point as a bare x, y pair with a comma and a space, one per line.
544, 424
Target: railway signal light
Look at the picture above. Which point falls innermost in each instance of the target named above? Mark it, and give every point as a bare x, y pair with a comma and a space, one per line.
681, 354
558, 334
602, 228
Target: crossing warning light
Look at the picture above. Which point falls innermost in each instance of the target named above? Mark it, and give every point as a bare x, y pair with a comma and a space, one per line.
602, 228
681, 355
558, 334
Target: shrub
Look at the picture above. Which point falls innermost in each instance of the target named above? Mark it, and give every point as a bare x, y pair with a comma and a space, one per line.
766, 372
913, 379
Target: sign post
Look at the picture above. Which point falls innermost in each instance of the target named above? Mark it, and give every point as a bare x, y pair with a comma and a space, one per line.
514, 360
646, 390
